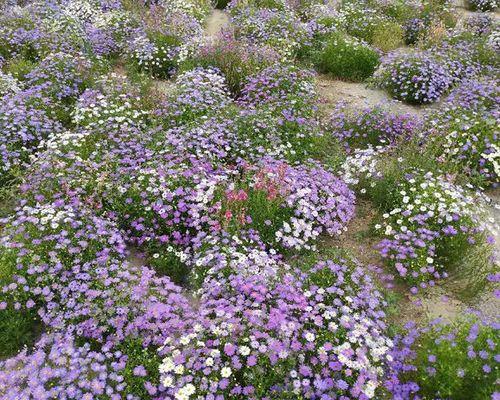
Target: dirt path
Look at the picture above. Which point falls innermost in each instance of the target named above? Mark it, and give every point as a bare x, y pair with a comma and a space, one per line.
216, 22
359, 96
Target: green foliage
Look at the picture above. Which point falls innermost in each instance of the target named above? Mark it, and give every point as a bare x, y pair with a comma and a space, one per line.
345, 58
387, 36
20, 67
460, 144
267, 214
221, 4
139, 356
166, 261
399, 10
19, 329
329, 151
234, 59
457, 372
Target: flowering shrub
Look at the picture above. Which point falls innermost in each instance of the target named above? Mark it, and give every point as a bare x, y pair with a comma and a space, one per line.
59, 75
360, 168
419, 78
199, 92
432, 223
40, 242
483, 5
109, 32
361, 20
195, 8
345, 57
458, 360
25, 120
245, 136
20, 37
494, 40
236, 60
310, 345
466, 133
279, 29
480, 25
78, 165
414, 29
8, 84
95, 108
58, 367
167, 202
371, 127
289, 206
220, 255
288, 91
155, 53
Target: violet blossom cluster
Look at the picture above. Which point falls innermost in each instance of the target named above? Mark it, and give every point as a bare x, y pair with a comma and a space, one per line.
372, 126
419, 78
250, 328
198, 92
430, 214
281, 29
466, 130
25, 120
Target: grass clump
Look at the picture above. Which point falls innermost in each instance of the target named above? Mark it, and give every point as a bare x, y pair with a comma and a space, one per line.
346, 58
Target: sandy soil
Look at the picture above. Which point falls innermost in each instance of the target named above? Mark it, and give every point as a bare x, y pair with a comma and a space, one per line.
358, 95
216, 22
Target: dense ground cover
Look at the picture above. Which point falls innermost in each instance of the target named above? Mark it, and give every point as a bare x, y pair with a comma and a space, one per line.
175, 206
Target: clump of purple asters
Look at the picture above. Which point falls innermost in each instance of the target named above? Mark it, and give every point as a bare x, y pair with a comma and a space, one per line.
318, 337
289, 206
419, 78
21, 36
60, 368
465, 130
198, 92
247, 135
372, 126
25, 120
41, 243
413, 30
287, 90
59, 75
281, 29
445, 360
481, 24
431, 218
109, 31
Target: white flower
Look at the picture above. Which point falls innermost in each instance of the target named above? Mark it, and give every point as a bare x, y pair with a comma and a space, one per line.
167, 381
226, 372
244, 350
